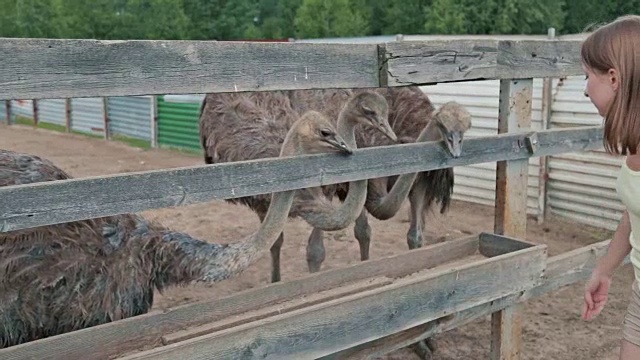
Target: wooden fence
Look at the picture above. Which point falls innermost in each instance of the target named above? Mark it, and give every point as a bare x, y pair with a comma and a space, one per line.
357, 312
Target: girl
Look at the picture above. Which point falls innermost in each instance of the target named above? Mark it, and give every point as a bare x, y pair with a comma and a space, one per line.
611, 61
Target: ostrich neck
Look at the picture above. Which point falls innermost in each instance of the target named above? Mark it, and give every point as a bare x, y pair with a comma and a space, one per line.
317, 210
383, 205
186, 259
346, 127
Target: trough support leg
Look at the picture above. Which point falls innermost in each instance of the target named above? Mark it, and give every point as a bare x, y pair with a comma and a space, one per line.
511, 207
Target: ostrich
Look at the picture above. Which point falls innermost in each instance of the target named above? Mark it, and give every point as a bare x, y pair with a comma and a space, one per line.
410, 113
64, 277
225, 137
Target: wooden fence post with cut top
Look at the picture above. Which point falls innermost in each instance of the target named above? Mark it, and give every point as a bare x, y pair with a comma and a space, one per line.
511, 207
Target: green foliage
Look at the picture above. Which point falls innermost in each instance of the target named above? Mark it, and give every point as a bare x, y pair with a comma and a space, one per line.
406, 17
277, 19
446, 17
329, 18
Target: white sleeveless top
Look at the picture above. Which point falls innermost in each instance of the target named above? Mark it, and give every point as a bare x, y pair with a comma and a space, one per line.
628, 188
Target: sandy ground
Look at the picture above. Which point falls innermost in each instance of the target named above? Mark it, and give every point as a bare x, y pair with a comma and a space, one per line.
553, 328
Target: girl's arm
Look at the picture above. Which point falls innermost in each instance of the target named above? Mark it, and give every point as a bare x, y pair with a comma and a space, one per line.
618, 248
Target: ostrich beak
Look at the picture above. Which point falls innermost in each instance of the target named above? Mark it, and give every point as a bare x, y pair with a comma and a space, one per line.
386, 129
455, 145
340, 144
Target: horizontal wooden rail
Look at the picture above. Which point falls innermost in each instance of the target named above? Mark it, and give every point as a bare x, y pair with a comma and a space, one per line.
339, 324
57, 68
562, 270
30, 205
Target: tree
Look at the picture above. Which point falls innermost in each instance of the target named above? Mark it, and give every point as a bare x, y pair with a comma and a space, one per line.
329, 18
406, 17
446, 17
152, 19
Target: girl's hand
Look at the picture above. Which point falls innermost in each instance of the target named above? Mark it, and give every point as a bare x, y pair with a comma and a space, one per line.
596, 294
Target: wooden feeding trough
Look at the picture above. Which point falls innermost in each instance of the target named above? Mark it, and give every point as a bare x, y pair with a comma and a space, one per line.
320, 314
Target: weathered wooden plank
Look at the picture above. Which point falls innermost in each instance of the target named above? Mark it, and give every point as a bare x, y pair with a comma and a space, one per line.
24, 206
514, 115
429, 62
493, 244
422, 62
336, 325
295, 304
539, 58
543, 165
56, 68
106, 341
562, 270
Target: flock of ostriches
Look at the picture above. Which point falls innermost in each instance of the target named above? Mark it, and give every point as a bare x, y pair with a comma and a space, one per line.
60, 278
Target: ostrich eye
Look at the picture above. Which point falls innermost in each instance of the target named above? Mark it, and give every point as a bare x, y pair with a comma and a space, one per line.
325, 132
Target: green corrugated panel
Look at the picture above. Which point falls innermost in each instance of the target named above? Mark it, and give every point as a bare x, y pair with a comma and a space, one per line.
178, 125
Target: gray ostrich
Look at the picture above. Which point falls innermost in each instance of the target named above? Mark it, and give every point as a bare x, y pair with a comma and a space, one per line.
413, 119
231, 138
64, 277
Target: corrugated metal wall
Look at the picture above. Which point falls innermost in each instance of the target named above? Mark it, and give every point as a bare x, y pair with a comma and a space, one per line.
3, 110
178, 124
87, 115
52, 111
131, 116
22, 108
581, 185
477, 183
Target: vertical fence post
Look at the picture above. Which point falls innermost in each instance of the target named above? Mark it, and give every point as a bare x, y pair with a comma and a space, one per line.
543, 174
7, 109
105, 113
154, 121
67, 109
511, 207
36, 116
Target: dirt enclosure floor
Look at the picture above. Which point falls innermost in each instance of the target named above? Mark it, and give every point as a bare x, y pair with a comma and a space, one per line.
553, 329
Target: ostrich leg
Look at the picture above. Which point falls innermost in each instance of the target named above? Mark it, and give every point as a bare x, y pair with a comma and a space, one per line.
362, 232
416, 214
275, 258
316, 249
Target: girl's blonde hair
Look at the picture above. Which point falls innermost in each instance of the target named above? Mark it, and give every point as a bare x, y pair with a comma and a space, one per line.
616, 45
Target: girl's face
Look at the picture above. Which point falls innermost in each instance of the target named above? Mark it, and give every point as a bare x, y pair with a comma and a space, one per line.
600, 88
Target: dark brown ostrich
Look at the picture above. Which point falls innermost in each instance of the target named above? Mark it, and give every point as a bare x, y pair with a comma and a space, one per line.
231, 138
64, 277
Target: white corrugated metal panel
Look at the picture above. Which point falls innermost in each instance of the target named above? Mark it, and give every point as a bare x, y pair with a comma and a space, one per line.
52, 111
3, 110
476, 183
130, 116
185, 98
582, 185
87, 115
22, 108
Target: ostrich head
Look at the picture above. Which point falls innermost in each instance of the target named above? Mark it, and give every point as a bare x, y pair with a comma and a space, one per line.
313, 133
453, 121
371, 109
